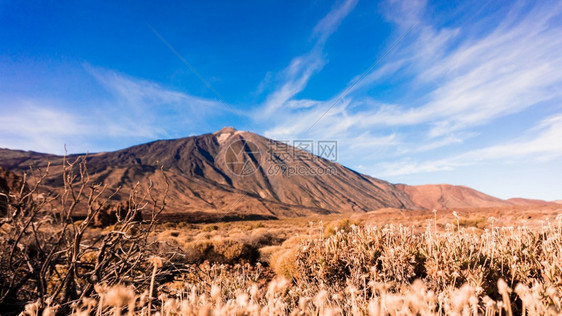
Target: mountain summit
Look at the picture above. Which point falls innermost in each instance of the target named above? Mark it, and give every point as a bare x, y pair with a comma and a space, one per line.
226, 130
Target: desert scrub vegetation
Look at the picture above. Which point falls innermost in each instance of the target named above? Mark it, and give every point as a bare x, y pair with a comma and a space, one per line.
487, 265
366, 270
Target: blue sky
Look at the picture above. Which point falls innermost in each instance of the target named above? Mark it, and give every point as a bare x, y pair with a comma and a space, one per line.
449, 92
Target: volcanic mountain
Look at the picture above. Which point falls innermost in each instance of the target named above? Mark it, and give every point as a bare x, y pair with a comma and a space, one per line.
232, 174
229, 173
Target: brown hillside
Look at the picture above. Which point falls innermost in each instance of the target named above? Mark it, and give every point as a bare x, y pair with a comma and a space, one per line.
447, 196
528, 202
442, 196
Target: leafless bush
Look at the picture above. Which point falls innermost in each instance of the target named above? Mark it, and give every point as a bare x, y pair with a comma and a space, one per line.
48, 257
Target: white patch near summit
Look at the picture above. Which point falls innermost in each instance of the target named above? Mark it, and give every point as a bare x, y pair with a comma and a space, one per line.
223, 137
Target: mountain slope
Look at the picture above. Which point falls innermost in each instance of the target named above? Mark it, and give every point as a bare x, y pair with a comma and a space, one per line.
446, 196
528, 202
440, 196
231, 172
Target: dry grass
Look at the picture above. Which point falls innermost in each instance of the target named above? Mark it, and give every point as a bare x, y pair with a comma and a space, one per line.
358, 270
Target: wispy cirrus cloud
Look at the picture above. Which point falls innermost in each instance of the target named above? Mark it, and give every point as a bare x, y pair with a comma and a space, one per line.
333, 19
457, 81
301, 68
131, 110
39, 125
541, 143
404, 13
149, 109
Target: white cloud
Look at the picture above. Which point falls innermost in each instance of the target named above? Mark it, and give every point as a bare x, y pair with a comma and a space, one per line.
332, 20
404, 13
296, 77
545, 145
141, 108
144, 97
462, 81
301, 68
134, 110
38, 125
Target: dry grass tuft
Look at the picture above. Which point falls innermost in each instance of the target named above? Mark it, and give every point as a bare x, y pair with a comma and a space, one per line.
225, 251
